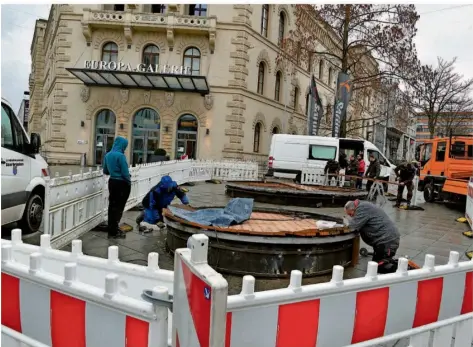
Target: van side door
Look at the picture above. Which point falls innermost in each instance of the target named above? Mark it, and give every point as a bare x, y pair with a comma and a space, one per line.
16, 167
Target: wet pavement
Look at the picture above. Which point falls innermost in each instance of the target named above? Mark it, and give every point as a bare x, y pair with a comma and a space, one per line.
433, 231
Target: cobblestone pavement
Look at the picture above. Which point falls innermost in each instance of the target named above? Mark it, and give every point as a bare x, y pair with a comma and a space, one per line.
433, 231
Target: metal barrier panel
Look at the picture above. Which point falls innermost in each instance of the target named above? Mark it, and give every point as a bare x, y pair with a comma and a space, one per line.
469, 204
61, 311
200, 297
345, 312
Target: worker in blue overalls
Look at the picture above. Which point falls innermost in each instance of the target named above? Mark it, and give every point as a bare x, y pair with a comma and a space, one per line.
159, 197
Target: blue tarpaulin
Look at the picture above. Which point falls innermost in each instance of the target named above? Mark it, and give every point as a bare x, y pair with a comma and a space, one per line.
237, 211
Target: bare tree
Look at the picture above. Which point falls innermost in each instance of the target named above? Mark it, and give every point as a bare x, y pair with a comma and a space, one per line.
369, 42
442, 95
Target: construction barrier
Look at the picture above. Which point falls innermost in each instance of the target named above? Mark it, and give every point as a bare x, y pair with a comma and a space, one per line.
360, 312
469, 204
75, 204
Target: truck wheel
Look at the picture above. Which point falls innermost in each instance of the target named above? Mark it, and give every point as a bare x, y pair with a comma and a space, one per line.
429, 194
33, 215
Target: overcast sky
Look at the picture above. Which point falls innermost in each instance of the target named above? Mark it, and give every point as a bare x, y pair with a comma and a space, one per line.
444, 30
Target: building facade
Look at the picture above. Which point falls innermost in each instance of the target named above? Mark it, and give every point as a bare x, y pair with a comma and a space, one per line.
200, 80
460, 123
24, 110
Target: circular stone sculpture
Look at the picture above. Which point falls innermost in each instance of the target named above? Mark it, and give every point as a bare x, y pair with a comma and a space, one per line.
291, 194
271, 243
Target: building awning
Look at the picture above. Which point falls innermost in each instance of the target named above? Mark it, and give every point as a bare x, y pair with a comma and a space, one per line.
142, 80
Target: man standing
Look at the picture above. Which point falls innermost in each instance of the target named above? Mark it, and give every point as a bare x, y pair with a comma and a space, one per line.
374, 169
352, 170
375, 227
119, 185
405, 172
361, 171
331, 170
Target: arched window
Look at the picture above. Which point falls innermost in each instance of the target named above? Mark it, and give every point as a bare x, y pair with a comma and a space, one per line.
256, 138
295, 101
260, 87
145, 135
282, 23
110, 52
277, 86
264, 20
151, 55
321, 70
104, 134
192, 60
275, 131
186, 142
330, 77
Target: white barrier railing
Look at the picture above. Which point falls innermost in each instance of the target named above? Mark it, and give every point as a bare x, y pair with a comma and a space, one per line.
469, 204
75, 204
360, 312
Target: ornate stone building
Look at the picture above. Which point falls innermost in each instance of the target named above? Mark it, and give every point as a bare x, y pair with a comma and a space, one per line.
245, 97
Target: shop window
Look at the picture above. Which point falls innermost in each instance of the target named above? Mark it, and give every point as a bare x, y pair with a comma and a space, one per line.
321, 70
186, 143
105, 123
198, 10
110, 52
264, 20
145, 135
277, 86
151, 55
318, 152
282, 24
441, 150
295, 100
192, 60
260, 87
256, 138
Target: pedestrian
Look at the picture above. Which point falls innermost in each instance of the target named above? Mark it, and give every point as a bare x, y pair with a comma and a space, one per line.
373, 172
361, 171
353, 167
119, 185
375, 227
405, 173
158, 198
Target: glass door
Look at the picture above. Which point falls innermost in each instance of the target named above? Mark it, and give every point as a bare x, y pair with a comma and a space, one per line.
186, 144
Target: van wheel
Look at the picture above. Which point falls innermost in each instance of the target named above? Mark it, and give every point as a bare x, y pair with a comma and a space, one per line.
429, 195
33, 215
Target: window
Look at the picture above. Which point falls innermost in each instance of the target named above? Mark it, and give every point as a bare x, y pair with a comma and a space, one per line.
277, 86
192, 60
318, 152
151, 55
264, 20
198, 10
330, 76
260, 87
110, 52
441, 149
321, 70
469, 154
119, 7
256, 138
12, 134
378, 156
282, 23
296, 98
309, 63
275, 130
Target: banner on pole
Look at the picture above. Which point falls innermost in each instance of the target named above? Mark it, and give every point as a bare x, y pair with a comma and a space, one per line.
342, 98
315, 110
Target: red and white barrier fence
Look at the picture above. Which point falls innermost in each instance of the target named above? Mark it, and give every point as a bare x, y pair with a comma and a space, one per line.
469, 204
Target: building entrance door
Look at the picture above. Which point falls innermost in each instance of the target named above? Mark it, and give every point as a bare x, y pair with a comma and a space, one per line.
104, 134
146, 126
186, 142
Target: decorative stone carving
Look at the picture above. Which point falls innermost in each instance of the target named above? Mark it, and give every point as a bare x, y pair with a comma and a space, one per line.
124, 95
264, 56
147, 96
170, 38
169, 98
85, 94
208, 101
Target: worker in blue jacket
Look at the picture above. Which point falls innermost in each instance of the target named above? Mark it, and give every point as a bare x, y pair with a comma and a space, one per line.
159, 197
119, 185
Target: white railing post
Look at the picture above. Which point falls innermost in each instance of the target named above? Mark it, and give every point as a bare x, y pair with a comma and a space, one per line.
47, 205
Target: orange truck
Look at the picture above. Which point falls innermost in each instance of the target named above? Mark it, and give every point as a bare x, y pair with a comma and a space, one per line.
446, 164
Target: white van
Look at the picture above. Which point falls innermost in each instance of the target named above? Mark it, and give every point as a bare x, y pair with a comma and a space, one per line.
23, 172
289, 154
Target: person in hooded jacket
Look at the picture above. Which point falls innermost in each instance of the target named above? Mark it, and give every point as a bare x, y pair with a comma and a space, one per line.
159, 197
373, 172
119, 185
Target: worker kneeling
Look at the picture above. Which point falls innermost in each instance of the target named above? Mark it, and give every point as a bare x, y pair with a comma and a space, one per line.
159, 197
376, 229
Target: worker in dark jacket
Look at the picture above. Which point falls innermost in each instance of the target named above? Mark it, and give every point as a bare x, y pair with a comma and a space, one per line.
375, 227
405, 172
373, 172
331, 170
353, 167
119, 185
158, 198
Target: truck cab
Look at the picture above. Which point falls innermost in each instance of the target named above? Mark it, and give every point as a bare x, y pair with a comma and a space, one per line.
23, 174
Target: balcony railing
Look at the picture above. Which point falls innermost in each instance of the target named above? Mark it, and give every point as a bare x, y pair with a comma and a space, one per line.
170, 23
